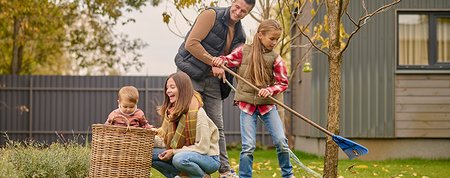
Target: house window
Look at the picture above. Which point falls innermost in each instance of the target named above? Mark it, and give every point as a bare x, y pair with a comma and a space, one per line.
424, 40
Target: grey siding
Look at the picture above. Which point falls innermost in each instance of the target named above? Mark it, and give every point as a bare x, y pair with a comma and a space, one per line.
47, 107
368, 91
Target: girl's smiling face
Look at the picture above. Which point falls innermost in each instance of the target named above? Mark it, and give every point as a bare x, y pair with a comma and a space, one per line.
172, 90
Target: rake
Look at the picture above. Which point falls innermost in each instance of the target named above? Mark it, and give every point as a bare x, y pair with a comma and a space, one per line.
350, 148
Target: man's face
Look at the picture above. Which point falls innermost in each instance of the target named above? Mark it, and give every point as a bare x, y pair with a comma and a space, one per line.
239, 9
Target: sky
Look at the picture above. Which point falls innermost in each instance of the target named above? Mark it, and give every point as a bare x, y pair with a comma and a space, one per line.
163, 45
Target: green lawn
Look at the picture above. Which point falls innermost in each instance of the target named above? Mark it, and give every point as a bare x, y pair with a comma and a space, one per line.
266, 165
31, 159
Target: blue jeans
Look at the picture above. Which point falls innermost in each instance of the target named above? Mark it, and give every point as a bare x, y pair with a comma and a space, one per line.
274, 125
209, 88
192, 163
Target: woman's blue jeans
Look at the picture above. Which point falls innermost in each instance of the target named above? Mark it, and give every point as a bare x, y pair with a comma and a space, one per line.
192, 163
274, 125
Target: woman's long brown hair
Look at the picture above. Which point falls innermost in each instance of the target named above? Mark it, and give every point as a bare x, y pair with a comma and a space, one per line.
185, 94
257, 65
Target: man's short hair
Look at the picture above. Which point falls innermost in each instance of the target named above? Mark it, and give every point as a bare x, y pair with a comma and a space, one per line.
251, 2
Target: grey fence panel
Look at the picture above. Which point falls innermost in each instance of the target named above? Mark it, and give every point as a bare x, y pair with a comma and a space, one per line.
62, 108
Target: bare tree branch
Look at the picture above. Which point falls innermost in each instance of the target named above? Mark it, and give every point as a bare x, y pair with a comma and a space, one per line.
351, 19
312, 43
363, 20
363, 2
175, 33
299, 62
255, 18
306, 26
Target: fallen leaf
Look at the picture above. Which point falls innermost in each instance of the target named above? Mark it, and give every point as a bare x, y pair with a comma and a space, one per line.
362, 166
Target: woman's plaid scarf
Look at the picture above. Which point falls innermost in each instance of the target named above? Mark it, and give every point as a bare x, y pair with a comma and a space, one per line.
182, 130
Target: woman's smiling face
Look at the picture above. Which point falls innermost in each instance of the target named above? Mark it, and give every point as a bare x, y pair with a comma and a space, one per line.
172, 90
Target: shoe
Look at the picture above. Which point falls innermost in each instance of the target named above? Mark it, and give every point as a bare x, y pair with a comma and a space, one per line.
230, 174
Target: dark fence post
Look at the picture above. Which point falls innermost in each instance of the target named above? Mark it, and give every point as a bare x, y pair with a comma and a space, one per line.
30, 113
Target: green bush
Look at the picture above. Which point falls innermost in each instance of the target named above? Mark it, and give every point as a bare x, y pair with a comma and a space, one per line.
31, 159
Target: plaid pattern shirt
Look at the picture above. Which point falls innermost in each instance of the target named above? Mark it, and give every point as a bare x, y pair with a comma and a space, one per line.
234, 59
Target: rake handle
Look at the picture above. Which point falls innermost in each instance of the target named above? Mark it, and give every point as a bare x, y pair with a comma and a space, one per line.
274, 100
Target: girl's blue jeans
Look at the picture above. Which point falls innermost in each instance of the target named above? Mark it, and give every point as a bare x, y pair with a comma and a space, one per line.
274, 125
192, 163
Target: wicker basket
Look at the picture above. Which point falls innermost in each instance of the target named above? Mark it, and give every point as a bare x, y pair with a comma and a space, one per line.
119, 151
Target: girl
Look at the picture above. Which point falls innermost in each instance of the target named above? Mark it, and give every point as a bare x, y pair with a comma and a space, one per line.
259, 64
191, 138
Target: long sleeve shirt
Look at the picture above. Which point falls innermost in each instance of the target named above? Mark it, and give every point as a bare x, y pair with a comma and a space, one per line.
137, 119
203, 25
234, 59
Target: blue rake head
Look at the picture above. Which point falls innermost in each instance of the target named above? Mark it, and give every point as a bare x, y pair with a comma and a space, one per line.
351, 148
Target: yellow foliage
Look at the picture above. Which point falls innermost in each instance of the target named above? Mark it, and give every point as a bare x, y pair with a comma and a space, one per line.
313, 12
166, 17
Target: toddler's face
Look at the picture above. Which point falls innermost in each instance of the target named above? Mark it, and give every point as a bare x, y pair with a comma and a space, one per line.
127, 107
172, 90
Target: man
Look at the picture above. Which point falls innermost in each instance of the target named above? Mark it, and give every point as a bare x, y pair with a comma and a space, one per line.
217, 31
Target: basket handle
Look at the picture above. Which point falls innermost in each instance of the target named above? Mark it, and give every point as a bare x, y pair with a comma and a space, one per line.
123, 118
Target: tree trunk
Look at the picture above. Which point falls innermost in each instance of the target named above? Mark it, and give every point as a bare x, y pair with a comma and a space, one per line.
334, 90
16, 63
334, 87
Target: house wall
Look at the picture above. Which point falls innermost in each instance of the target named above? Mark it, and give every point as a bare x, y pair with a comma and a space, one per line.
390, 112
422, 106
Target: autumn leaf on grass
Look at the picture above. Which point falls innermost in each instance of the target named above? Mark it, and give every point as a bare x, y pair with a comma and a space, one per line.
362, 166
350, 169
257, 166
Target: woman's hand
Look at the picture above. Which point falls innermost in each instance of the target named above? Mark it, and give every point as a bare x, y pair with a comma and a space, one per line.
264, 93
166, 155
217, 61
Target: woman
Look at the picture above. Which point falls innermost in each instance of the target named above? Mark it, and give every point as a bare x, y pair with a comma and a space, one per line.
191, 138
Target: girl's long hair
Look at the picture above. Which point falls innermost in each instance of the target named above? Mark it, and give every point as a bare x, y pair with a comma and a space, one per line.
257, 65
185, 94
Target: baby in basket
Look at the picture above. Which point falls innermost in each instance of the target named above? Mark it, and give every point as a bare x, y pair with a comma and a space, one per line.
128, 113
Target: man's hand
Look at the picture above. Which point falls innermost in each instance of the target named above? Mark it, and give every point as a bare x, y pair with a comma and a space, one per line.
219, 72
217, 61
264, 93
166, 155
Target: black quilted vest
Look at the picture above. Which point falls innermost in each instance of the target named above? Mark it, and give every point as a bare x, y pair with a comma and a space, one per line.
214, 43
